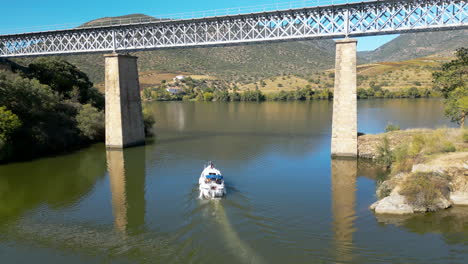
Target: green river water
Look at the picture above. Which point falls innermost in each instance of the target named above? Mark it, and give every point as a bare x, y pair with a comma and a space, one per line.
287, 201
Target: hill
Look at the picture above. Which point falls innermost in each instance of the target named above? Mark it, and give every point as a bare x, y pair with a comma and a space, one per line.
248, 64
235, 63
242, 63
121, 19
392, 76
416, 45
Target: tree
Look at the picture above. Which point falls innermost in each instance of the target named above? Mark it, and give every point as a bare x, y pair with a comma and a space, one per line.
9, 122
413, 92
221, 96
67, 80
456, 106
91, 122
362, 93
452, 82
208, 96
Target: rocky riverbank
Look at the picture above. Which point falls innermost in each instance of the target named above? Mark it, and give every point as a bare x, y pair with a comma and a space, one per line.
429, 169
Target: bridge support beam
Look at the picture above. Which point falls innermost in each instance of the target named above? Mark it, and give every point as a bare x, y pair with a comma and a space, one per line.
124, 117
344, 127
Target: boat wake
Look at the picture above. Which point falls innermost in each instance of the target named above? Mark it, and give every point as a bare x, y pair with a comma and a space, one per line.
233, 242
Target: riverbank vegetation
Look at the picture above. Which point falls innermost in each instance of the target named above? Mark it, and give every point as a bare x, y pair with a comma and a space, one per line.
406, 79
452, 81
47, 108
426, 168
200, 90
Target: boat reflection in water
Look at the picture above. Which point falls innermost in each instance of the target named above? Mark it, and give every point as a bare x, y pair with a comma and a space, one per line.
344, 173
127, 181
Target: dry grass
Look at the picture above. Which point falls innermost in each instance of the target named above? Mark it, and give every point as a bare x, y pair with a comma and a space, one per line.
424, 190
408, 147
154, 78
393, 76
286, 83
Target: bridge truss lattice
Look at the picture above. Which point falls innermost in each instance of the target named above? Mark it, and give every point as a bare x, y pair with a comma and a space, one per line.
333, 21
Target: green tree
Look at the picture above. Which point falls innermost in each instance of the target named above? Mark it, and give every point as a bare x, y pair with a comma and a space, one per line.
452, 82
9, 123
90, 121
208, 96
456, 106
362, 93
67, 80
413, 92
148, 121
221, 96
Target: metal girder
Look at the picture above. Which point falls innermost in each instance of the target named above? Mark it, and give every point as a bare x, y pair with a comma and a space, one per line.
335, 21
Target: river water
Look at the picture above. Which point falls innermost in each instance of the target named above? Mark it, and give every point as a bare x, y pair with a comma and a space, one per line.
287, 201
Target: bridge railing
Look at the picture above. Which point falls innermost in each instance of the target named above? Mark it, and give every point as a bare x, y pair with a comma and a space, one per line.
182, 16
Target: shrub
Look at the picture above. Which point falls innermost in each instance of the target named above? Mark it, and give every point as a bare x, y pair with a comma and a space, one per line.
465, 136
9, 122
437, 142
234, 97
361, 93
208, 96
412, 92
221, 96
252, 96
384, 153
425, 189
417, 145
448, 146
148, 121
280, 85
391, 127
90, 121
402, 160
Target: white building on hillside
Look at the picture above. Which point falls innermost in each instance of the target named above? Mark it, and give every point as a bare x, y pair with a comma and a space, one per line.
174, 90
178, 78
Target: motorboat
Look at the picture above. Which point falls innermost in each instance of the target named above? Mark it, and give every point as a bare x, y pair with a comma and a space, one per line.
211, 182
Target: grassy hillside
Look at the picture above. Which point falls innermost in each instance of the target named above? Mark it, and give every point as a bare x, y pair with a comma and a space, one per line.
392, 76
243, 63
304, 61
416, 45
236, 63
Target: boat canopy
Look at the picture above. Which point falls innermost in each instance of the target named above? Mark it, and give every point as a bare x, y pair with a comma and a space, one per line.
214, 177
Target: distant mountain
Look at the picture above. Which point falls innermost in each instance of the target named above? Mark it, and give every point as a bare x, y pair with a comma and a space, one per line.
122, 19
416, 45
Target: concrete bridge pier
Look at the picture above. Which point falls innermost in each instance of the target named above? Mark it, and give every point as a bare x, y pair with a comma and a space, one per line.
344, 126
124, 117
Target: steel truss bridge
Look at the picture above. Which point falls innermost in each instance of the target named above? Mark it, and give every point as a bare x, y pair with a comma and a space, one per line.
331, 21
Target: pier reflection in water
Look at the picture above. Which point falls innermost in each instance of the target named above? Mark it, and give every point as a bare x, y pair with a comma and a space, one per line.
127, 181
343, 178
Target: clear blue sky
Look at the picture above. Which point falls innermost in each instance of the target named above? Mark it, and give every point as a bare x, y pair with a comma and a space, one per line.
30, 13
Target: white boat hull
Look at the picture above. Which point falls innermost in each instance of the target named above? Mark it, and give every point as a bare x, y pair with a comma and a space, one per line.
211, 189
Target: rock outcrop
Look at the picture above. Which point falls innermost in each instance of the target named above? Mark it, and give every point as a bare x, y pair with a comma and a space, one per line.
452, 167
